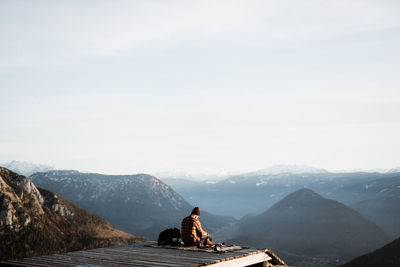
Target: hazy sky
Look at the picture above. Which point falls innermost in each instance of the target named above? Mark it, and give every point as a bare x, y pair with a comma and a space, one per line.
200, 86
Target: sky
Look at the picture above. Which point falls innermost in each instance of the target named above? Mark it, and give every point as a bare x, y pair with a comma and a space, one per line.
200, 86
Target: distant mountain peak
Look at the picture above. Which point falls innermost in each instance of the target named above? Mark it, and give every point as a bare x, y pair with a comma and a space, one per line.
26, 168
305, 192
396, 169
300, 197
290, 169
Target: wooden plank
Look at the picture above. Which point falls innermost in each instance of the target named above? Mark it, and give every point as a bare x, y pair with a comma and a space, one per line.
101, 259
171, 253
242, 261
133, 258
27, 263
175, 257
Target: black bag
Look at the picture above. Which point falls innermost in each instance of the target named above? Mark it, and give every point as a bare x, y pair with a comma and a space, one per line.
170, 237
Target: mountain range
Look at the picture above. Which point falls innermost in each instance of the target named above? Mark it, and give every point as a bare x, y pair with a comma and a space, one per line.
305, 227
374, 195
35, 221
140, 204
309, 216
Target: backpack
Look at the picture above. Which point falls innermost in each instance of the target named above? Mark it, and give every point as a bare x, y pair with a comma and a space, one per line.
170, 237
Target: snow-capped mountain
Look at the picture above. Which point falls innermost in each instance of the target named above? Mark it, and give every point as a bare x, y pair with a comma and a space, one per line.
176, 175
26, 168
288, 169
397, 169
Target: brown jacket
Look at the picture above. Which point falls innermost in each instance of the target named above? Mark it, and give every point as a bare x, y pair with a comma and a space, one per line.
192, 231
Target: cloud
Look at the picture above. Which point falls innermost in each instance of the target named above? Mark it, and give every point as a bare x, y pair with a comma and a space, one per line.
61, 32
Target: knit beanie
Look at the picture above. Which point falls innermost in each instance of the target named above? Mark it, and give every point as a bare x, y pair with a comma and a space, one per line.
196, 211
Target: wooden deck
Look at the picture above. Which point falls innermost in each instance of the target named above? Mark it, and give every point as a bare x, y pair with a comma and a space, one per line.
144, 254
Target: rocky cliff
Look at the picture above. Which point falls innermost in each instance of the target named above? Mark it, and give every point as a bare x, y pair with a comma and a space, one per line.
35, 221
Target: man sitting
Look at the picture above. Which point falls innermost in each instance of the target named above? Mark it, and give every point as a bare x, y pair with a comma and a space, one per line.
192, 232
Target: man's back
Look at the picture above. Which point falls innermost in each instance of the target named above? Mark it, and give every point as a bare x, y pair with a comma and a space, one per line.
188, 229
191, 230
